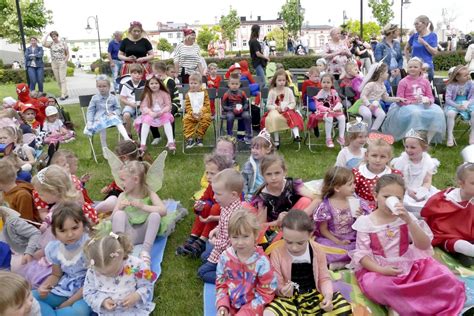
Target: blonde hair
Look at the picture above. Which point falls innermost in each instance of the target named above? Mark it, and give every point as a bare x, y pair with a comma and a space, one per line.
243, 221
14, 133
221, 161
14, 290
138, 169
103, 78
231, 179
196, 76
352, 136
100, 252
455, 73
313, 70
378, 143
135, 68
335, 177
462, 170
425, 20
62, 154
55, 180
8, 171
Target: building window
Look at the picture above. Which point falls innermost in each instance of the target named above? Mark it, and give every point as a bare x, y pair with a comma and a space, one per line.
94, 55
244, 43
234, 44
179, 35
321, 41
73, 56
269, 28
80, 56
170, 35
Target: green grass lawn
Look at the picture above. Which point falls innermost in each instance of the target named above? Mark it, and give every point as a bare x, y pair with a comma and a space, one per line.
179, 291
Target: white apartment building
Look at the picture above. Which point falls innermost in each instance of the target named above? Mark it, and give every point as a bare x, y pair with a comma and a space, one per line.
87, 50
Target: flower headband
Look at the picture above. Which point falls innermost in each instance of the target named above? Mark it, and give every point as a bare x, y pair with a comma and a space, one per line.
387, 138
135, 23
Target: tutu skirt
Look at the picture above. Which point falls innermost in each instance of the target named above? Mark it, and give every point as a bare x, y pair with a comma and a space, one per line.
155, 122
103, 123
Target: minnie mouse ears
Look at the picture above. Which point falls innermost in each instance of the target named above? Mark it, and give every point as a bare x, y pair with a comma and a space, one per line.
387, 138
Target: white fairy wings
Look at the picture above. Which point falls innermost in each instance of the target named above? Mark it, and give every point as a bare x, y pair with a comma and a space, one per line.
154, 176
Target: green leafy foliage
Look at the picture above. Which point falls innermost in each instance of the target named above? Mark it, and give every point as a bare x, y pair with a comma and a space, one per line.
164, 46
70, 72
382, 11
207, 34
279, 36
370, 28
446, 60
34, 15
293, 16
229, 24
19, 75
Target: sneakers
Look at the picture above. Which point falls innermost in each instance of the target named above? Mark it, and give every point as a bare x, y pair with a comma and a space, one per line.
329, 143
341, 141
199, 142
297, 139
192, 248
171, 146
190, 143
182, 250
316, 131
247, 140
156, 141
142, 150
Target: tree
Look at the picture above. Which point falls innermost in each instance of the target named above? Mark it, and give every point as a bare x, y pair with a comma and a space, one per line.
164, 46
279, 36
34, 15
207, 34
382, 11
229, 24
293, 15
370, 28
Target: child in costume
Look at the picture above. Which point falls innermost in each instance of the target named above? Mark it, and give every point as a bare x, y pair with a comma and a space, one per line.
54, 128
304, 285
197, 117
61, 292
418, 111
373, 93
459, 100
139, 209
322, 66
351, 77
260, 147
450, 213
213, 81
156, 111
353, 154
329, 106
333, 217
314, 80
206, 208
241, 263
117, 282
281, 114
418, 168
377, 159
15, 296
29, 113
393, 260
103, 112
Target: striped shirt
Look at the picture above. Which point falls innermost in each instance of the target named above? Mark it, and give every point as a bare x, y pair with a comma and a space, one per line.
222, 236
188, 57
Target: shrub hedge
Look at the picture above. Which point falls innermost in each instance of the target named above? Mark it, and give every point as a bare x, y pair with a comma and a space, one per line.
446, 60
19, 75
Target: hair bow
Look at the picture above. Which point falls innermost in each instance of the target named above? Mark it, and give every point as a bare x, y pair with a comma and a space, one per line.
388, 138
135, 23
114, 235
151, 76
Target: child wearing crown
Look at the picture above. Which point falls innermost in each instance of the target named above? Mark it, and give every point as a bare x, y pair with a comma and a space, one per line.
352, 155
417, 168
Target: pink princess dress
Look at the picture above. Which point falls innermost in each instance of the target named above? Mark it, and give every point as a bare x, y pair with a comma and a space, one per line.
160, 102
424, 286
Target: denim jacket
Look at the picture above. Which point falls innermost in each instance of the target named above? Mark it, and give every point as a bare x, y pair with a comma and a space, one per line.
383, 49
98, 107
38, 57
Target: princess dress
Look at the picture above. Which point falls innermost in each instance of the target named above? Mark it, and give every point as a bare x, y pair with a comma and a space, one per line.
339, 224
461, 95
107, 114
146, 117
275, 121
423, 287
414, 174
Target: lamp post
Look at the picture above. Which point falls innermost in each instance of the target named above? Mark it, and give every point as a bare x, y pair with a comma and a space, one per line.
89, 28
22, 35
402, 2
362, 20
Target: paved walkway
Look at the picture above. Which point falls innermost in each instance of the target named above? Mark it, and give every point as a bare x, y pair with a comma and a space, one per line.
81, 84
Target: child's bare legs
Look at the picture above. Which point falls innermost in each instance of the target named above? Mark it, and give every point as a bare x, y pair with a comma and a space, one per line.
106, 205
144, 134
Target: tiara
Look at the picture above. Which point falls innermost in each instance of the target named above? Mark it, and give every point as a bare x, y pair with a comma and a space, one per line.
416, 134
41, 176
265, 135
357, 126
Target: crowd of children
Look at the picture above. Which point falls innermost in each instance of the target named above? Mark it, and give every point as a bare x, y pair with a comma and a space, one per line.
267, 241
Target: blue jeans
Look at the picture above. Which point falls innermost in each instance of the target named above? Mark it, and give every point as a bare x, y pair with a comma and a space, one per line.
430, 74
244, 116
36, 75
207, 272
207, 252
52, 301
116, 72
260, 72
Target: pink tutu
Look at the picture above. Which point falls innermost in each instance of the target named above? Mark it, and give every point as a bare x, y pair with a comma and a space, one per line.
156, 122
34, 272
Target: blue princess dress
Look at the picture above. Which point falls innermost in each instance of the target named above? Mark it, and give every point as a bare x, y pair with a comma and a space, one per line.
457, 95
103, 112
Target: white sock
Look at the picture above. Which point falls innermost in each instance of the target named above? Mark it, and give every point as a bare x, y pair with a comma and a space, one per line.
276, 135
144, 134
450, 118
169, 132
123, 131
341, 124
103, 138
464, 247
296, 131
328, 127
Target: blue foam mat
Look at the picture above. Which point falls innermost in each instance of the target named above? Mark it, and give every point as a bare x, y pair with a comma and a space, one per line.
157, 253
209, 299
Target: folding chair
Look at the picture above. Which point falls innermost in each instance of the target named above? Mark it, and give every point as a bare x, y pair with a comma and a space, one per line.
311, 92
84, 101
220, 95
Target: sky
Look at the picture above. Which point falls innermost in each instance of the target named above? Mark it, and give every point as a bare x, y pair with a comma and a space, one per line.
70, 18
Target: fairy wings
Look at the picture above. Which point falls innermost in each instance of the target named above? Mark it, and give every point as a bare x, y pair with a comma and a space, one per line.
154, 175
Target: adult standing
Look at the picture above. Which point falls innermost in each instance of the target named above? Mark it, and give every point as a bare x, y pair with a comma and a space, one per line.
115, 62
211, 49
361, 50
221, 49
424, 43
136, 49
290, 46
336, 53
187, 56
59, 57
390, 52
34, 64
469, 58
259, 60
304, 40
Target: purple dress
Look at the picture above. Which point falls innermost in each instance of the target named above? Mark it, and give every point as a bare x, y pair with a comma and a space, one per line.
339, 224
